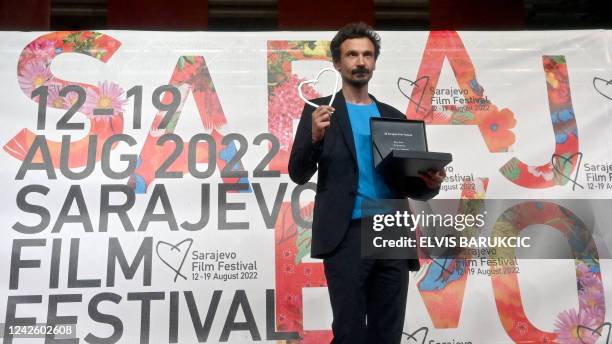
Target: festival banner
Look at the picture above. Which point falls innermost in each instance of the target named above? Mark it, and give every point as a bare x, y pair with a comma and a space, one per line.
146, 197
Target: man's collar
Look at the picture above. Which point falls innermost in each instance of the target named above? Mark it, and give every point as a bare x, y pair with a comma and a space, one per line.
340, 96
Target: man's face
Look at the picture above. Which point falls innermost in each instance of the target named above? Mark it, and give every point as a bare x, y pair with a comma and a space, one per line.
357, 61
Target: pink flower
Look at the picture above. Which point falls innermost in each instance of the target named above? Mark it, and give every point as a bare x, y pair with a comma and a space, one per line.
39, 51
54, 99
592, 300
588, 280
70, 99
575, 328
285, 105
32, 76
108, 96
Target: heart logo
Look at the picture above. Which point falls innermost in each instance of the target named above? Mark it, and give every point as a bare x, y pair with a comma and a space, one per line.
561, 164
315, 81
597, 330
174, 255
421, 87
603, 87
412, 336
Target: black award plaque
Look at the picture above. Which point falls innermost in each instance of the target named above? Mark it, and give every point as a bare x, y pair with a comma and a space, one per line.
399, 149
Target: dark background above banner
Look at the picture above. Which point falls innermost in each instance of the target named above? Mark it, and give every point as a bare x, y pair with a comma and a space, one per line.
257, 15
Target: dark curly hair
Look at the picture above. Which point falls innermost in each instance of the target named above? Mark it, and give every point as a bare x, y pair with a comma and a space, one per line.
354, 30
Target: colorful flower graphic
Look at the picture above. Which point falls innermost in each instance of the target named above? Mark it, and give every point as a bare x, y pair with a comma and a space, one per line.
564, 124
558, 82
292, 276
33, 72
560, 96
39, 51
285, 105
565, 158
575, 327
495, 128
108, 96
592, 301
34, 75
590, 294
546, 171
586, 277
55, 100
318, 48
70, 99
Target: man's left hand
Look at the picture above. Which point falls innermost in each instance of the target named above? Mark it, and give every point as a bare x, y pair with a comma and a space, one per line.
433, 179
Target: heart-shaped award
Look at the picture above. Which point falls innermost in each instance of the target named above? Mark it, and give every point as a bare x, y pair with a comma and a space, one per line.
315, 81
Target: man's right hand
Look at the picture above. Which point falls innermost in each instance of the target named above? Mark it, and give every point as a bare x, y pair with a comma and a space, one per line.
321, 117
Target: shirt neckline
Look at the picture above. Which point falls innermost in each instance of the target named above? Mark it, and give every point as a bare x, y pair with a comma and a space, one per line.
353, 104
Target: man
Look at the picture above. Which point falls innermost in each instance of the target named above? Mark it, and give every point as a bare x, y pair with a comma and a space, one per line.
368, 296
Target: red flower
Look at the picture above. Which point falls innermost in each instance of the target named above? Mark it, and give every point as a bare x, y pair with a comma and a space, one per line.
495, 128
41, 51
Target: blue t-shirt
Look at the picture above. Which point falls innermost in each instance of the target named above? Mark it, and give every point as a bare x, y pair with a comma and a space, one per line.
371, 185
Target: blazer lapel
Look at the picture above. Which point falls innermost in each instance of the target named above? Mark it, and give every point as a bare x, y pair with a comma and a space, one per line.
342, 119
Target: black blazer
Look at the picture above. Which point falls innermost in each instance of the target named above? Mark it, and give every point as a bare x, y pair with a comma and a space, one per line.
336, 161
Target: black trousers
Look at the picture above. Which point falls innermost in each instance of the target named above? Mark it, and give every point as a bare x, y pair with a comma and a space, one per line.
368, 296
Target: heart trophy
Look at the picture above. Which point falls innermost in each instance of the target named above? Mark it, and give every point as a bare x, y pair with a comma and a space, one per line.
315, 81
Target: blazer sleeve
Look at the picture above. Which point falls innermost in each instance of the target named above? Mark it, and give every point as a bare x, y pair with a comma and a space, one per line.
304, 153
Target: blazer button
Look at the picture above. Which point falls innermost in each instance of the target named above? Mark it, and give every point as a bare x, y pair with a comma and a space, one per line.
352, 193
355, 169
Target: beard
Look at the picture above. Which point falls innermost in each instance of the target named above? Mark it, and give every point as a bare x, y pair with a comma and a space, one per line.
358, 83
363, 77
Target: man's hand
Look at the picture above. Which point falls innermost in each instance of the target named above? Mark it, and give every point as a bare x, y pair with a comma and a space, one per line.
321, 117
432, 178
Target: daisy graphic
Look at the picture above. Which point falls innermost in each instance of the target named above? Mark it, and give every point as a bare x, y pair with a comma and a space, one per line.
32, 76
573, 327
108, 96
54, 99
